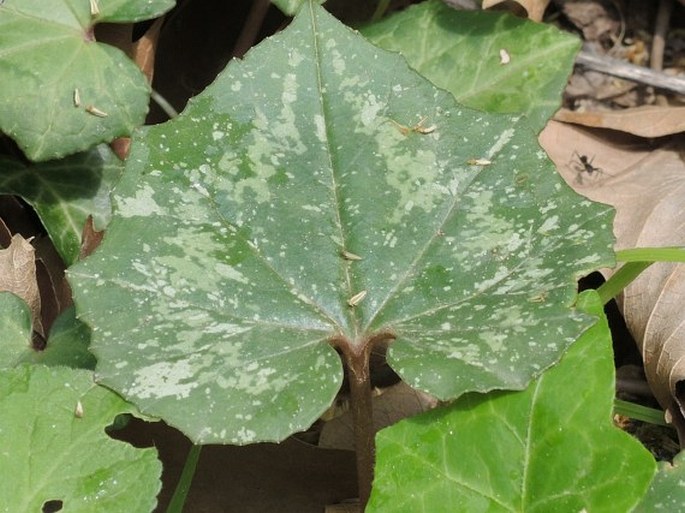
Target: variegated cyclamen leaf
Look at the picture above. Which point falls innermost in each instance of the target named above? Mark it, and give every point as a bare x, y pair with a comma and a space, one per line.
322, 192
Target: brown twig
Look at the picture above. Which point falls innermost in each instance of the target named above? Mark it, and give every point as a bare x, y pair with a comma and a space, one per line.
621, 69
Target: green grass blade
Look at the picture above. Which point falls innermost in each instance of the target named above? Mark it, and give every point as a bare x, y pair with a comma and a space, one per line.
181, 493
639, 412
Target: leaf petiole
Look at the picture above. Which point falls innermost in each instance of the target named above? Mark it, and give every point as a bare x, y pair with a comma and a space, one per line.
636, 261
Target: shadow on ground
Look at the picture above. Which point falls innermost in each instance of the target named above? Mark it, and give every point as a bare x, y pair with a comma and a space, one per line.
290, 477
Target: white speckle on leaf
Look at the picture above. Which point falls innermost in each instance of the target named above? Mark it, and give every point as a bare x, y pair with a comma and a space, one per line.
338, 63
230, 272
245, 436
550, 224
142, 204
312, 208
501, 142
370, 109
294, 58
164, 379
289, 94
320, 125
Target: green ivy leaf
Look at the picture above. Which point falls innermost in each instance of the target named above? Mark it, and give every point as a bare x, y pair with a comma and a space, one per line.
667, 491
552, 447
62, 92
54, 446
65, 192
226, 271
460, 51
15, 329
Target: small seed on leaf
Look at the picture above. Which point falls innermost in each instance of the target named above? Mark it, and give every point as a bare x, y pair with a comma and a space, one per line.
96, 112
538, 298
424, 129
78, 411
357, 298
504, 57
349, 256
521, 179
418, 127
77, 98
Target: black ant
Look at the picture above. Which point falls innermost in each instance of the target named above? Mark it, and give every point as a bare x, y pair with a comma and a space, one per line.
584, 165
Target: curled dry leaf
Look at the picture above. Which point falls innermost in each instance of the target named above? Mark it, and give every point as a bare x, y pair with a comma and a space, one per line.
90, 238
534, 8
18, 275
144, 50
647, 188
645, 121
596, 20
54, 291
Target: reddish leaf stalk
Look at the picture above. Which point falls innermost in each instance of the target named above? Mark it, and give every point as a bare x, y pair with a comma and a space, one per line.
362, 416
356, 359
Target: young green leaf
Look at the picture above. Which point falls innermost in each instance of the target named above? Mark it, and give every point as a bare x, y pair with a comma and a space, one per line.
54, 446
462, 51
222, 282
62, 92
65, 192
15, 329
551, 447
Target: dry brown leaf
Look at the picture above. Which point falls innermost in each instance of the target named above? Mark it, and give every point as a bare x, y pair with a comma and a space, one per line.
598, 21
120, 146
145, 48
647, 188
646, 121
18, 275
90, 238
54, 290
394, 403
534, 8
